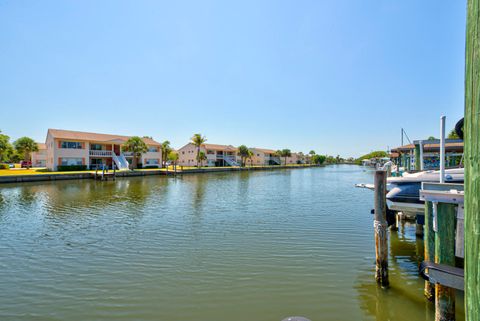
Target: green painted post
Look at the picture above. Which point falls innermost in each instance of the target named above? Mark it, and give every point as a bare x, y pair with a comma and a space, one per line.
472, 163
429, 242
417, 157
445, 254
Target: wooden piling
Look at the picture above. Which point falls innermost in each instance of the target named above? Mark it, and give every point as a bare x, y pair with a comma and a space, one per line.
472, 163
417, 157
429, 247
380, 228
445, 254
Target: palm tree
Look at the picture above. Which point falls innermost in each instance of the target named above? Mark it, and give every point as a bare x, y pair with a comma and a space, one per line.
198, 140
201, 158
312, 153
285, 153
301, 158
25, 146
166, 149
244, 153
173, 157
250, 155
137, 147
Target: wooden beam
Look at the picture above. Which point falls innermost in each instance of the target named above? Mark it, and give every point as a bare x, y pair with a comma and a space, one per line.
472, 162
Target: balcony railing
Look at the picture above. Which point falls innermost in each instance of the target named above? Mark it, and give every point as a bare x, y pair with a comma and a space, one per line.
128, 154
220, 156
101, 153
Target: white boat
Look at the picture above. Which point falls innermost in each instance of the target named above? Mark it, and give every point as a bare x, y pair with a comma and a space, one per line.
404, 192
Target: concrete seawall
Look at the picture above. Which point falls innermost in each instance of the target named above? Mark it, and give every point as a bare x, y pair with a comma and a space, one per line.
89, 175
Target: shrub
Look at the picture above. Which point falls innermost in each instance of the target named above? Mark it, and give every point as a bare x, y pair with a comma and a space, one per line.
150, 166
68, 168
4, 166
139, 165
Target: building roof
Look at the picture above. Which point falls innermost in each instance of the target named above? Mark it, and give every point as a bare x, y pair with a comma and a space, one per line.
265, 150
41, 146
455, 146
219, 147
75, 135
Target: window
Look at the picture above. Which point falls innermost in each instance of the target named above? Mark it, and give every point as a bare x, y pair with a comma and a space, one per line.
67, 161
210, 152
96, 146
153, 149
151, 161
183, 153
71, 145
96, 161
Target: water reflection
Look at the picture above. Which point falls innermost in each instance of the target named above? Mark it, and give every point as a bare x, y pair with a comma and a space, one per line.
202, 247
404, 299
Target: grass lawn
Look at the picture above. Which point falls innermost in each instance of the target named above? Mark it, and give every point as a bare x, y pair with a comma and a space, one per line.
35, 171
43, 171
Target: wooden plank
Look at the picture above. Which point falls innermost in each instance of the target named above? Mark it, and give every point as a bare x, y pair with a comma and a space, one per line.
451, 197
442, 186
459, 238
472, 162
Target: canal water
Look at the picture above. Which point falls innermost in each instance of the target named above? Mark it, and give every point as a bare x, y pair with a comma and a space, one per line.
224, 246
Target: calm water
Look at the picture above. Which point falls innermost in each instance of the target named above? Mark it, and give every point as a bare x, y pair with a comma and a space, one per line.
227, 247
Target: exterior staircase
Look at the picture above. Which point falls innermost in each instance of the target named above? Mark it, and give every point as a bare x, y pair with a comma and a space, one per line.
276, 160
120, 161
231, 161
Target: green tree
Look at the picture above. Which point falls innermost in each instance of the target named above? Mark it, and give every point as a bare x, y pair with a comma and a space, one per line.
330, 160
173, 157
4, 146
284, 153
244, 153
375, 154
318, 159
137, 147
198, 140
25, 146
11, 155
166, 149
310, 156
431, 138
453, 135
201, 158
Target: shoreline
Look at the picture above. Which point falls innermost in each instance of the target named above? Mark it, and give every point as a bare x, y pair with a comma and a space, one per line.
160, 172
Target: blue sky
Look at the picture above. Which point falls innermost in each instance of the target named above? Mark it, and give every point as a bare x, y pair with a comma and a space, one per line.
340, 77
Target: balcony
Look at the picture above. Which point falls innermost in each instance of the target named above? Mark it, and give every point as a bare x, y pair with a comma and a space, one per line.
101, 153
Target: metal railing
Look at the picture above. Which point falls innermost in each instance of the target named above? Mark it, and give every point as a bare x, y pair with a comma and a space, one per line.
101, 153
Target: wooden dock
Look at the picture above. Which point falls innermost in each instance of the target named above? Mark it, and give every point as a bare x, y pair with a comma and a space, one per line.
104, 174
